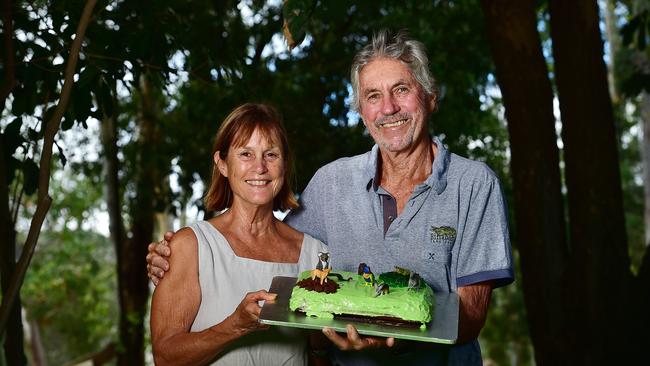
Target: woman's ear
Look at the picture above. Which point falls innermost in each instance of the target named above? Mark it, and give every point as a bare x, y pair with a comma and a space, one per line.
221, 165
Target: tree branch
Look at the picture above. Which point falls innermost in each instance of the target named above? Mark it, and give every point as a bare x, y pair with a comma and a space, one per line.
44, 199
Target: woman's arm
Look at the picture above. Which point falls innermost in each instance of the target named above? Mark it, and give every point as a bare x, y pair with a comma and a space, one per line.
176, 302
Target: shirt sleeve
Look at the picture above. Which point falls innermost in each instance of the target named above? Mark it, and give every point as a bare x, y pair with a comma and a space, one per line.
308, 216
484, 252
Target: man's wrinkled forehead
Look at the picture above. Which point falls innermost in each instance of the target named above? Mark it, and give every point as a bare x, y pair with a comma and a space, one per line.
385, 73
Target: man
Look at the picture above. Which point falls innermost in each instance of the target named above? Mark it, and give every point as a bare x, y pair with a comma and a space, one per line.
407, 202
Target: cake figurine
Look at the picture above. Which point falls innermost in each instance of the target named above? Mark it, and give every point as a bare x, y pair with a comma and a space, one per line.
323, 268
323, 260
414, 281
382, 289
367, 275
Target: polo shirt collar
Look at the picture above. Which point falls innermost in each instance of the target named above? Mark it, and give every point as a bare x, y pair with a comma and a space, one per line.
437, 180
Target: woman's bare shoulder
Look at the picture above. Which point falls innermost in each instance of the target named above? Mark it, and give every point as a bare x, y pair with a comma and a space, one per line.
183, 243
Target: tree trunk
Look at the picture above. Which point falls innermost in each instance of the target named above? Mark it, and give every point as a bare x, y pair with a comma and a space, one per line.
645, 160
600, 263
614, 42
539, 215
112, 186
135, 286
38, 351
13, 343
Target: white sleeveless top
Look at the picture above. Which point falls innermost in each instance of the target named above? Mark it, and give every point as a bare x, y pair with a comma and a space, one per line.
225, 279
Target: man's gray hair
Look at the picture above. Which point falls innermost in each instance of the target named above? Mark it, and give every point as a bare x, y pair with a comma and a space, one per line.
397, 46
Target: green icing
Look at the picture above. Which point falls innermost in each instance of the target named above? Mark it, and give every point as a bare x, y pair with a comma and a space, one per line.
356, 298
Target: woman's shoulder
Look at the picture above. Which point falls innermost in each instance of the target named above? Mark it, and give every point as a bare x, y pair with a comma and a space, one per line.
182, 240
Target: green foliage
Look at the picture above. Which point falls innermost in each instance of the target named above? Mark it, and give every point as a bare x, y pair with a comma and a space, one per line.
633, 61
70, 287
70, 291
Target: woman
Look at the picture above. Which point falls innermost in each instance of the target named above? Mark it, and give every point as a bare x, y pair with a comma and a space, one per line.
206, 310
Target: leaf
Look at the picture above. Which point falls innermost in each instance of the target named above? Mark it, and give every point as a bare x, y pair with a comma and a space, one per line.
12, 136
30, 174
83, 103
64, 160
21, 103
32, 134
296, 14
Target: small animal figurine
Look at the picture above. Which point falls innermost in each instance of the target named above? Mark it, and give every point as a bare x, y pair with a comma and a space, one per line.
321, 274
382, 289
402, 271
366, 274
323, 260
414, 282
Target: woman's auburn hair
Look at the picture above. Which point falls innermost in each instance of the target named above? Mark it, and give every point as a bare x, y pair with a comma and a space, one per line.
235, 131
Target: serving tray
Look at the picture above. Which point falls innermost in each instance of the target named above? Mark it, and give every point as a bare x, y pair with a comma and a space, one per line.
443, 328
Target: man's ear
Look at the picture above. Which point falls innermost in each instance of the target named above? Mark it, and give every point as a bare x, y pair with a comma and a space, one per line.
221, 165
432, 103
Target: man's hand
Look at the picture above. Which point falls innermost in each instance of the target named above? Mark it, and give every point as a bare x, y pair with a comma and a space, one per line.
157, 263
355, 342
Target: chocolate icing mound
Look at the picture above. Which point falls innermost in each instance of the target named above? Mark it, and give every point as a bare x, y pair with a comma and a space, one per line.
328, 287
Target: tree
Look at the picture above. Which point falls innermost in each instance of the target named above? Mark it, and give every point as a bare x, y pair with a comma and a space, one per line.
10, 304
566, 277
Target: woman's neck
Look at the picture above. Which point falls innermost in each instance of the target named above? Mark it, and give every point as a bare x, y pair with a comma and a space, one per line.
250, 221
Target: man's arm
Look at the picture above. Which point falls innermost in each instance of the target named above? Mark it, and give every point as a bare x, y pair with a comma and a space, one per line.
474, 301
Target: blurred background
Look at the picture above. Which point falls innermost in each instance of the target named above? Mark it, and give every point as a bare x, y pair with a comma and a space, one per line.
109, 110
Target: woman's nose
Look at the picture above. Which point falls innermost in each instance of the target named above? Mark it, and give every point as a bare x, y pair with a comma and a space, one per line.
260, 166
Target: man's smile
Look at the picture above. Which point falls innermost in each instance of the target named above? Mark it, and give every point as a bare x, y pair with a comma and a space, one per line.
394, 124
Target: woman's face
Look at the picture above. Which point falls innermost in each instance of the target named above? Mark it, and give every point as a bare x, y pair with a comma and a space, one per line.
255, 171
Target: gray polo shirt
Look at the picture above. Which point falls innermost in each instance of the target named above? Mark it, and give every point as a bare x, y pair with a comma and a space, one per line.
453, 230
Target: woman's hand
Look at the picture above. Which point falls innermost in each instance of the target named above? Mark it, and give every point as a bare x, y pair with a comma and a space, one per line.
355, 342
245, 318
157, 263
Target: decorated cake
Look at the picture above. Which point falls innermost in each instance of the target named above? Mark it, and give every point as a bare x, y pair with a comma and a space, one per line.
399, 296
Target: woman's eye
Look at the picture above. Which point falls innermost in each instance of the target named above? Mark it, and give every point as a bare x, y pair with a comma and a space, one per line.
245, 154
272, 155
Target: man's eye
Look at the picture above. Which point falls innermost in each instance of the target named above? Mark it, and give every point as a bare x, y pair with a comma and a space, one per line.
373, 97
401, 90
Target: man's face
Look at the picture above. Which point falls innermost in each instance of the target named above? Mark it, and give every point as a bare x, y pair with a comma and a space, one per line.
393, 105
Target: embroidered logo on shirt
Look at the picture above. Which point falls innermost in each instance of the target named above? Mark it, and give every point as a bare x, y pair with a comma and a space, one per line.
442, 235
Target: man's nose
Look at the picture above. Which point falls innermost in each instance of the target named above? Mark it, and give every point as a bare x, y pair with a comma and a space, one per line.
389, 105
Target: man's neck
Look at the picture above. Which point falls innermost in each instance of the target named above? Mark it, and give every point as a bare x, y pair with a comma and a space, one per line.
400, 172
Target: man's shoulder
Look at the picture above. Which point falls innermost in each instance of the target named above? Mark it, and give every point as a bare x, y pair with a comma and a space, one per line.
467, 169
350, 166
